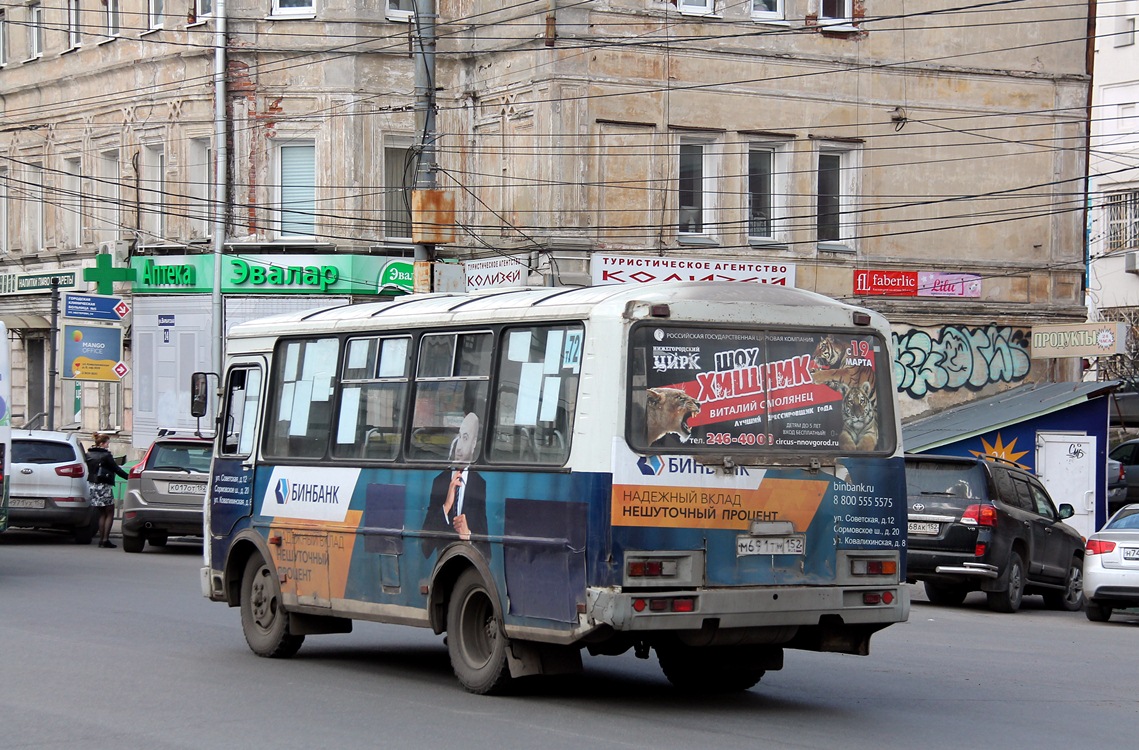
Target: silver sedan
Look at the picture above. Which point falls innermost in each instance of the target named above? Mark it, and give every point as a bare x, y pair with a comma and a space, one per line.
1111, 565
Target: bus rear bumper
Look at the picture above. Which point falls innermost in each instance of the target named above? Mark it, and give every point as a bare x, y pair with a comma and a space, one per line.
748, 608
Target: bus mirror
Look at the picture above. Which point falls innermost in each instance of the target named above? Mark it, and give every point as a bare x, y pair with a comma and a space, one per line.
199, 394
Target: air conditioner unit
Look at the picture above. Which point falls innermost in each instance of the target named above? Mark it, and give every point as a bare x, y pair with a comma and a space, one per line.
118, 250
1131, 261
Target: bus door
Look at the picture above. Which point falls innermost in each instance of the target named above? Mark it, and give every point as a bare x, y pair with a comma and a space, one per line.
231, 493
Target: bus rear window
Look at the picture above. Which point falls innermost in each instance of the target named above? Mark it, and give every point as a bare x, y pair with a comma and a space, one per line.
713, 390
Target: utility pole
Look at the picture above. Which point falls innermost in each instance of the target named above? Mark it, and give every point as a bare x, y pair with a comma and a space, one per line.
221, 194
424, 53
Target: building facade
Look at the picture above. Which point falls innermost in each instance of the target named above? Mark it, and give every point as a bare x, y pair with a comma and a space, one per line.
928, 162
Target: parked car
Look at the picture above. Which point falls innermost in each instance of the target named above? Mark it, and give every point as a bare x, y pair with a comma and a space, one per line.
976, 524
1127, 454
166, 490
1111, 565
48, 484
1116, 486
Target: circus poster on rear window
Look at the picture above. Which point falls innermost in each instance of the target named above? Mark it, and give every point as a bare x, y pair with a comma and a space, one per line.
730, 391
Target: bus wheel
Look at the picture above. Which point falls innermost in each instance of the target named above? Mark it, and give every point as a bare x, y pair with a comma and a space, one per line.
707, 670
474, 636
263, 620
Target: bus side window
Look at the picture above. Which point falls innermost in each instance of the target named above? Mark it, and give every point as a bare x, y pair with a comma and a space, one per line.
373, 394
452, 379
299, 421
242, 397
537, 393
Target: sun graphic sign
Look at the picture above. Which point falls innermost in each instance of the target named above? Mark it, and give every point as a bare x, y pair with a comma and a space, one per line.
999, 450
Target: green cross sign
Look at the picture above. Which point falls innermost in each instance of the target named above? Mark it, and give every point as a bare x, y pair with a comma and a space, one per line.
104, 274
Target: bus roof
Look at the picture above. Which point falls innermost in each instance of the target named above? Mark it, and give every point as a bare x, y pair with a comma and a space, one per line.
513, 304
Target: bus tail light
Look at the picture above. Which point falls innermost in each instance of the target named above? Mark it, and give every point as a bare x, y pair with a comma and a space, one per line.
864, 567
652, 568
665, 604
878, 597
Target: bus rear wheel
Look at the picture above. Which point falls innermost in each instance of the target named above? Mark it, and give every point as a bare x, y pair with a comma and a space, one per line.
263, 619
475, 640
709, 669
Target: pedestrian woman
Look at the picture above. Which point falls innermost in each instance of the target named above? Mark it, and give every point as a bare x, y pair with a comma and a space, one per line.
101, 472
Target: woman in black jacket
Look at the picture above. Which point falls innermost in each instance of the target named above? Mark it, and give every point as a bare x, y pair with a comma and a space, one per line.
101, 472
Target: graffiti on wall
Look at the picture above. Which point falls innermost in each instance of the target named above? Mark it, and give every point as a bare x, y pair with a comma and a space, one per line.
959, 357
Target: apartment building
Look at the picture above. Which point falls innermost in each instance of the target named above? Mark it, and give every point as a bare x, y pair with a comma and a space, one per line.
925, 161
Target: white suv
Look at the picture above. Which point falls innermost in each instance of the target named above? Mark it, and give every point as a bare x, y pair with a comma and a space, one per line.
48, 484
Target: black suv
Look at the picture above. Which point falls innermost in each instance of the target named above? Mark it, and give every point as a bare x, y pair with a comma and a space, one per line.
980, 525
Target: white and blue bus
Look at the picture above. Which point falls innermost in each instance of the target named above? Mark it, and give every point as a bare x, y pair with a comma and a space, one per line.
711, 471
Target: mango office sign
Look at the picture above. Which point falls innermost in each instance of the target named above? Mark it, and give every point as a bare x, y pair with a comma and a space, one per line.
261, 274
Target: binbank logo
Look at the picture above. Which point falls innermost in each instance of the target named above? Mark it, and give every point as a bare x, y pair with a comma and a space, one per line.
309, 493
650, 466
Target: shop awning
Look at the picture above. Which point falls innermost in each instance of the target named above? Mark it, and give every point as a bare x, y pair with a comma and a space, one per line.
25, 321
1011, 407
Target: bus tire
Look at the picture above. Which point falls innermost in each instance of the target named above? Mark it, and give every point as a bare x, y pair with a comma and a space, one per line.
263, 619
475, 640
707, 670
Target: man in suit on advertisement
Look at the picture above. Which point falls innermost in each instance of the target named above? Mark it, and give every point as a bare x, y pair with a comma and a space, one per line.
458, 496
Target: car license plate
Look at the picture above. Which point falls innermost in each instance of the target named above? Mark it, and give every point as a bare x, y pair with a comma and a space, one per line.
1131, 553
186, 488
924, 527
770, 545
26, 502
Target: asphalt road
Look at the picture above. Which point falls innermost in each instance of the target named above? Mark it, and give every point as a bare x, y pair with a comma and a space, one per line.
100, 649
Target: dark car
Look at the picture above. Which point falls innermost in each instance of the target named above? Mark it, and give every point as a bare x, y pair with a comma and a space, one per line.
1127, 454
981, 525
166, 490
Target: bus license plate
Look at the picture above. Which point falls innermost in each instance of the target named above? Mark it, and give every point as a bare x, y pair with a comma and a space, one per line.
25, 502
186, 488
769, 545
919, 527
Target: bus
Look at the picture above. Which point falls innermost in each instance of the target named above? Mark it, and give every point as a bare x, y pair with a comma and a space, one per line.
5, 422
707, 471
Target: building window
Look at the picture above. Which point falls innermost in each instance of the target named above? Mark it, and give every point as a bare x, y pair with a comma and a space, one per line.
767, 10
401, 10
3, 212
34, 239
766, 190
202, 9
1125, 34
35, 31
74, 36
108, 192
1122, 220
3, 38
113, 21
71, 203
834, 195
297, 190
697, 7
154, 190
399, 179
293, 7
695, 187
155, 13
201, 187
836, 11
